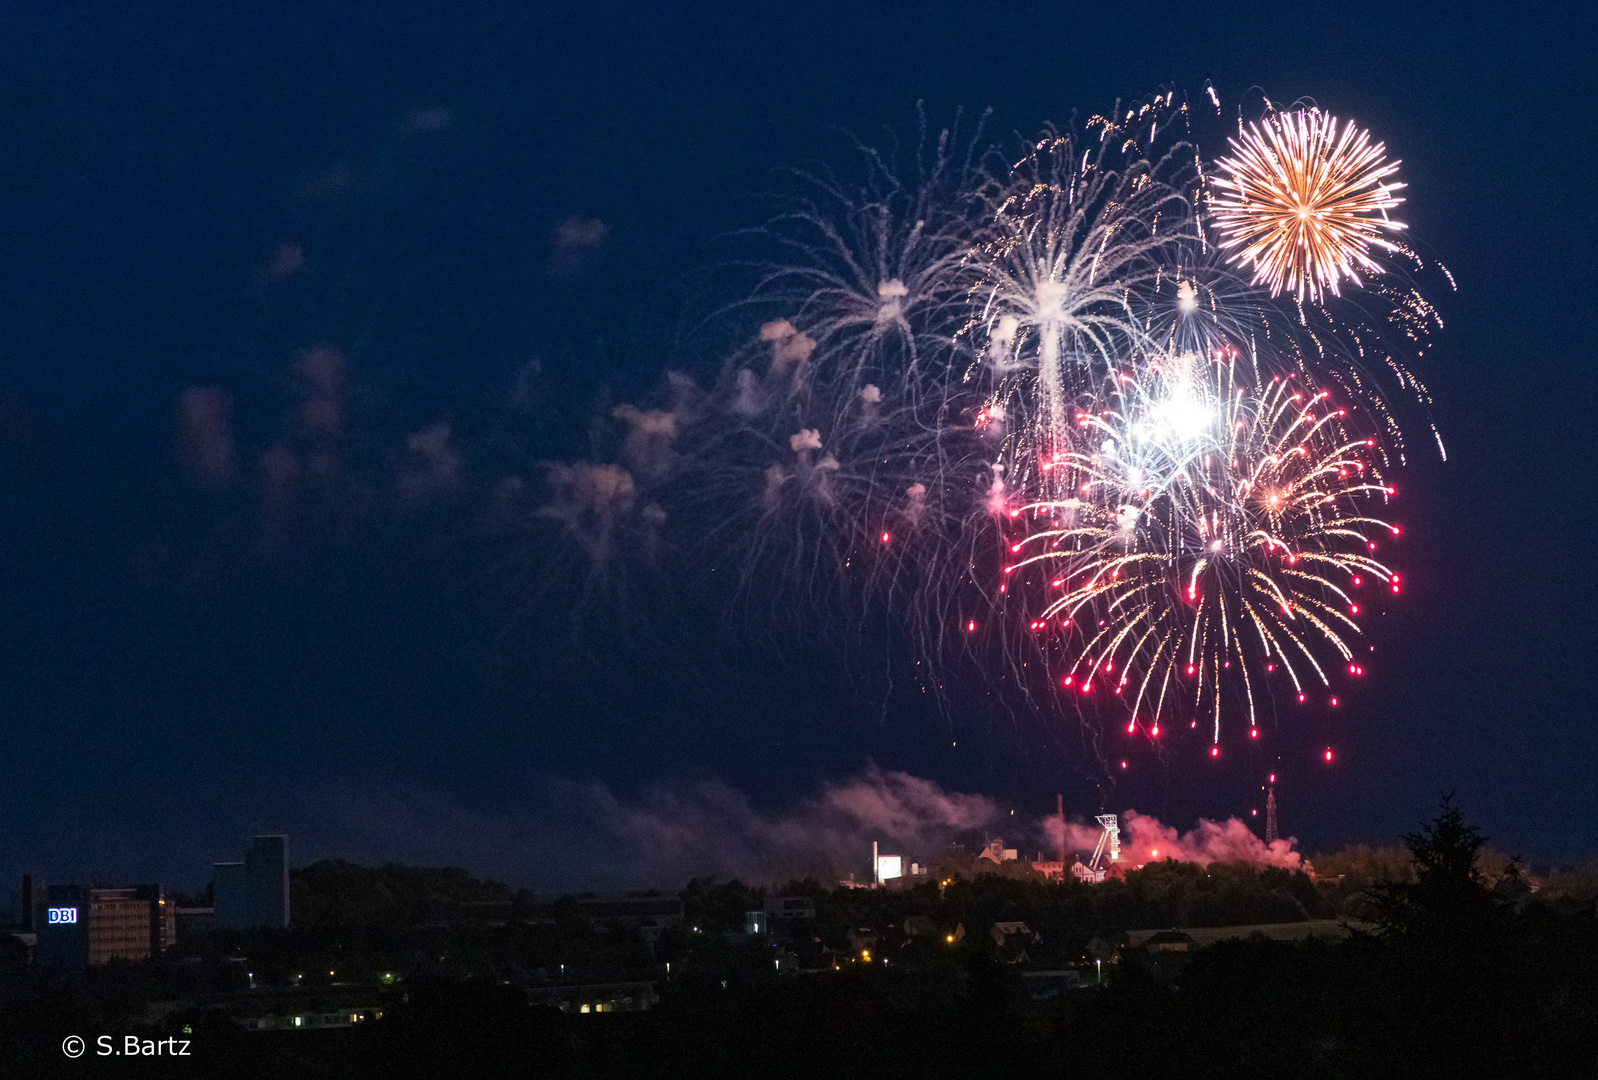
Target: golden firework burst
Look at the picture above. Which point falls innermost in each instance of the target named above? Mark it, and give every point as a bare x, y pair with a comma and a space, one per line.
1304, 202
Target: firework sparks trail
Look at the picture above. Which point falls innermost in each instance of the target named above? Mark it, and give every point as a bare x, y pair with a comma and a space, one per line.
840, 427
1216, 537
1078, 232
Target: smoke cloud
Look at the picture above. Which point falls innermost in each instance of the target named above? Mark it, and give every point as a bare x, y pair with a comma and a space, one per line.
649, 437
1145, 839
287, 260
577, 240
207, 434
322, 371
427, 121
806, 439
749, 402
434, 468
584, 836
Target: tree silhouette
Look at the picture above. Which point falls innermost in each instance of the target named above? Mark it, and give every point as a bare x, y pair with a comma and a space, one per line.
1447, 896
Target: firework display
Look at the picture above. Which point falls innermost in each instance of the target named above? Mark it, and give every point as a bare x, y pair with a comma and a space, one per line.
1304, 203
1103, 416
1213, 536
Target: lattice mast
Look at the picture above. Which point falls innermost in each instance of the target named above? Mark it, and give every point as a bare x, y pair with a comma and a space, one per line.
1271, 834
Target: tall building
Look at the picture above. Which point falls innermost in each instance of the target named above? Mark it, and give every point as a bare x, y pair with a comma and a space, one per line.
255, 892
229, 900
62, 916
91, 925
32, 893
266, 881
133, 923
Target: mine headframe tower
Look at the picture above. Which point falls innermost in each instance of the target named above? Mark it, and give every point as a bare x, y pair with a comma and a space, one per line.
1109, 839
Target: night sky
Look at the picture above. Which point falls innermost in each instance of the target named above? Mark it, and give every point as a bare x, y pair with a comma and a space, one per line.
191, 197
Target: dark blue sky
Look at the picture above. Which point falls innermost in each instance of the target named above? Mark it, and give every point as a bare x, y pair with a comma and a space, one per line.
175, 674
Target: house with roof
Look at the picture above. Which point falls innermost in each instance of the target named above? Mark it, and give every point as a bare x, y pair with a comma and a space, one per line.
1167, 953
1172, 940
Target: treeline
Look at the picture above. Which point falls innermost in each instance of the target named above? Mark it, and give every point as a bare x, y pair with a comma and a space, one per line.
335, 896
335, 892
356, 923
1167, 893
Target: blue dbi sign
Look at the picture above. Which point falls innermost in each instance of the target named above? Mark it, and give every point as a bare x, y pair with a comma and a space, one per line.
61, 915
